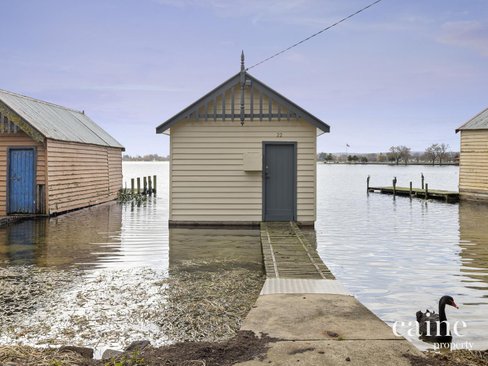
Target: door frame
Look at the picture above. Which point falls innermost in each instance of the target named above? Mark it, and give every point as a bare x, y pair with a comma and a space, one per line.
7, 188
295, 177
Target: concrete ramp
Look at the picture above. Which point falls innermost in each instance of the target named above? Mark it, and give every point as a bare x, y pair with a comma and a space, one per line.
314, 320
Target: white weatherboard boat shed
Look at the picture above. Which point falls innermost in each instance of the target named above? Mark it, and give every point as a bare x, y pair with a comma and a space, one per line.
242, 154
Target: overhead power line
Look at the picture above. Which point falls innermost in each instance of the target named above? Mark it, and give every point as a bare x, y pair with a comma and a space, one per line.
315, 34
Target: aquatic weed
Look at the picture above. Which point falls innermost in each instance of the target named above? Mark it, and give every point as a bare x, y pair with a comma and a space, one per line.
126, 196
134, 359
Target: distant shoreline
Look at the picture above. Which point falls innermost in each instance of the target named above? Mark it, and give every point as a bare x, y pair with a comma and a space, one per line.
384, 163
145, 161
323, 162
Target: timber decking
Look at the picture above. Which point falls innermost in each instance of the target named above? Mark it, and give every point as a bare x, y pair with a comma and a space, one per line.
438, 194
289, 254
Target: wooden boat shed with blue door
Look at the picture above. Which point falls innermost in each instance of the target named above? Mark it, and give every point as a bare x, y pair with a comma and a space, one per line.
242, 154
53, 159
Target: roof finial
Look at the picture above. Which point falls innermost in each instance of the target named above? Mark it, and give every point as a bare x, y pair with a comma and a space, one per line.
242, 61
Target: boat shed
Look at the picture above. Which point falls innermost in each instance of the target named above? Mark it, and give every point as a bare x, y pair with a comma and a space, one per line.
53, 159
242, 154
473, 159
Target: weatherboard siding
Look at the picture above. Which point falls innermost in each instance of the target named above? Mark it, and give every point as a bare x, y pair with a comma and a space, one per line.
13, 140
473, 164
208, 183
81, 175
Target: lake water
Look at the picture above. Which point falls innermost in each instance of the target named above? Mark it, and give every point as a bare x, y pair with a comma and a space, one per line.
398, 256
395, 255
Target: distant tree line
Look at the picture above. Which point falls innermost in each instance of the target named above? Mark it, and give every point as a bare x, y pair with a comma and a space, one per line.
435, 153
148, 157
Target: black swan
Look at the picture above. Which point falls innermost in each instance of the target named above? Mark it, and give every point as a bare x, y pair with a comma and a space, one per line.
432, 326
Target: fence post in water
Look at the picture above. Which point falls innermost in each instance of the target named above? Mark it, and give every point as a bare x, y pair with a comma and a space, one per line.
154, 181
138, 185
422, 177
410, 189
145, 185
367, 184
132, 185
394, 186
426, 190
149, 183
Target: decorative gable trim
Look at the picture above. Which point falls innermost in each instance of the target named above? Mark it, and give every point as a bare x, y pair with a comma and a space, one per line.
11, 122
243, 98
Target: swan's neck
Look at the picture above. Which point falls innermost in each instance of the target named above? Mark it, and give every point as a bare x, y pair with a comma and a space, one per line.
442, 311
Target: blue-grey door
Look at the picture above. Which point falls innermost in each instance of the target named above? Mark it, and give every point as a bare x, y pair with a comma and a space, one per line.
21, 181
279, 182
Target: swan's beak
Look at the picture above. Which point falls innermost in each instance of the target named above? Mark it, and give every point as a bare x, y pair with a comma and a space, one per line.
454, 304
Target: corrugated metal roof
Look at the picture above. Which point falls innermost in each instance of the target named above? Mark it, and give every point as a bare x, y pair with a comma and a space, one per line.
478, 122
57, 122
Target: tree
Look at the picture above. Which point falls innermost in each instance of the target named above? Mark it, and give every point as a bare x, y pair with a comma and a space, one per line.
442, 152
394, 154
381, 158
405, 153
364, 159
325, 157
431, 153
321, 156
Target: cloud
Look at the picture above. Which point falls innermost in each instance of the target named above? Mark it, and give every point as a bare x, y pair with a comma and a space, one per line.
471, 34
292, 12
133, 87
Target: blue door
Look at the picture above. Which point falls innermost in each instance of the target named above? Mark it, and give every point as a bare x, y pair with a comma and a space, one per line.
21, 181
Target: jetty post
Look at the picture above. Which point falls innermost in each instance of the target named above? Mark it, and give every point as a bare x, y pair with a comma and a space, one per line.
422, 178
394, 186
367, 184
411, 189
132, 185
426, 190
155, 185
145, 185
149, 184
138, 185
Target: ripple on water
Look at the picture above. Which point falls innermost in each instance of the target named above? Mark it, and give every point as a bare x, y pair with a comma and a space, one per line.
397, 256
400, 255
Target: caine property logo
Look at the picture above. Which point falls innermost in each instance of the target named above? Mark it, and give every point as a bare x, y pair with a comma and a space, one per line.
439, 333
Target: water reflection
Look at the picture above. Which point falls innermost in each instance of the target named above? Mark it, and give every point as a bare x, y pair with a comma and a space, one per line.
241, 247
396, 256
117, 235
400, 255
134, 283
81, 237
473, 231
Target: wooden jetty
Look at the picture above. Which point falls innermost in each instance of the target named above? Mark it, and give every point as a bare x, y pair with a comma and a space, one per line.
289, 254
425, 193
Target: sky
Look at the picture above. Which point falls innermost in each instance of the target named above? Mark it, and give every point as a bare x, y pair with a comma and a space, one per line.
404, 72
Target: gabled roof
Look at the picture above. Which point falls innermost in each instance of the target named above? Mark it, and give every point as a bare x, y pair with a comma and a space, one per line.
478, 122
251, 83
57, 122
